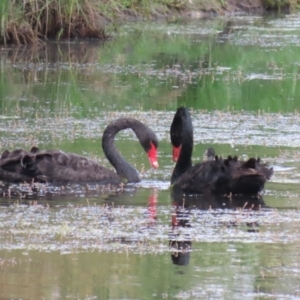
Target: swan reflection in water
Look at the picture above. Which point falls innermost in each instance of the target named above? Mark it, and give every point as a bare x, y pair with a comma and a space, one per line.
180, 242
180, 238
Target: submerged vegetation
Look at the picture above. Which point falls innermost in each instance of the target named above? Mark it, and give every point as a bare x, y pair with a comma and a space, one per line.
30, 21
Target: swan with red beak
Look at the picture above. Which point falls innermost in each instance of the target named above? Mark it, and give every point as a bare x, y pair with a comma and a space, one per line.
60, 166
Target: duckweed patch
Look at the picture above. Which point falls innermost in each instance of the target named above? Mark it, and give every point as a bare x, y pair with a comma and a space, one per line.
69, 228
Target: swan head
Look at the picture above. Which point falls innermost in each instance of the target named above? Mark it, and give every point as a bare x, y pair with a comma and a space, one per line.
149, 142
176, 133
152, 155
181, 116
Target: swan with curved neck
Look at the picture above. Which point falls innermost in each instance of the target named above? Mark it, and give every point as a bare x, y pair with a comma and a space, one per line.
146, 137
215, 175
59, 166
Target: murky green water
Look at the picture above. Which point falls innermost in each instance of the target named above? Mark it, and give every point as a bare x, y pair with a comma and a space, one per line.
240, 78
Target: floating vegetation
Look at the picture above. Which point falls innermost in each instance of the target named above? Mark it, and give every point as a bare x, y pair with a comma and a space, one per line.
222, 127
35, 190
79, 228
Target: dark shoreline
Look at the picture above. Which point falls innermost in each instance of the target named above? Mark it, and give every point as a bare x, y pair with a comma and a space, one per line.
89, 19
200, 11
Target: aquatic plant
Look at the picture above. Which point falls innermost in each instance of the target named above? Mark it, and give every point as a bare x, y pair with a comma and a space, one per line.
280, 4
27, 22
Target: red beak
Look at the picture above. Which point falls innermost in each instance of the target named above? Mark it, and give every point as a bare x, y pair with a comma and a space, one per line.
152, 154
176, 153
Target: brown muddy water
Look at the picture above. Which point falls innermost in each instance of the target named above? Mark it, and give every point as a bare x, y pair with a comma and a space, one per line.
239, 77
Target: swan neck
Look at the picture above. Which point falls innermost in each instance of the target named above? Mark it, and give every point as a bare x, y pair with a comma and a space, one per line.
185, 158
122, 167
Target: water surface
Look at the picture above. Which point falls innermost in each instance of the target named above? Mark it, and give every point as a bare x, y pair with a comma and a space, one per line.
239, 78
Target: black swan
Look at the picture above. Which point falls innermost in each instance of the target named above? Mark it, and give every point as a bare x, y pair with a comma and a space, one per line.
217, 175
58, 166
209, 177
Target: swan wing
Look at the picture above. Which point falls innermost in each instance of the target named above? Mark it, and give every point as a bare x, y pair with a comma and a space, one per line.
59, 166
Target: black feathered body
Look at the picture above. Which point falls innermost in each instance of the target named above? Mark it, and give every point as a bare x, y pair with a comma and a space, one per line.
248, 177
209, 177
59, 166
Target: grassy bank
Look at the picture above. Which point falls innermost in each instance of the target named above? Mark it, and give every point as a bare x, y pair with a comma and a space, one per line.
30, 21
